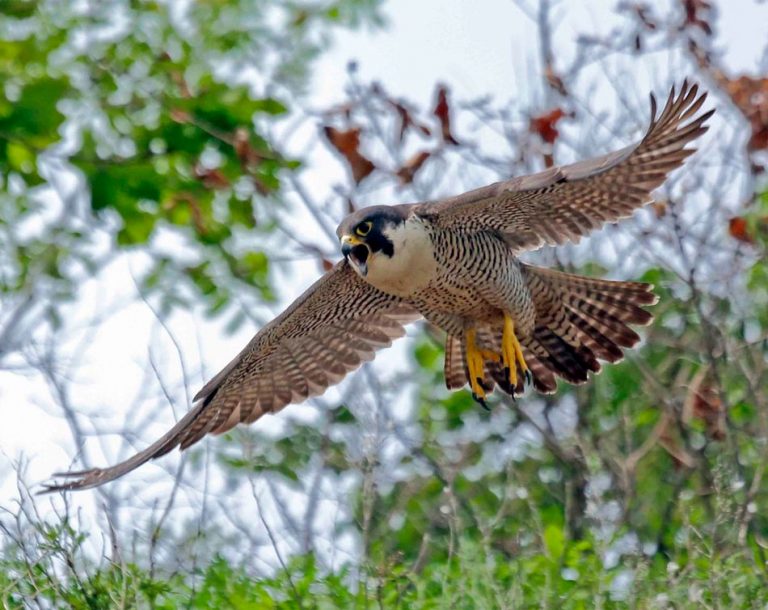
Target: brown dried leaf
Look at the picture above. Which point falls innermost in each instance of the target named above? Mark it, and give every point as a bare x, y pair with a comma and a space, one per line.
661, 429
248, 155
262, 188
198, 219
407, 121
750, 95
180, 116
545, 125
211, 178
738, 228
443, 113
347, 142
554, 80
408, 171
703, 403
178, 78
669, 439
697, 13
241, 144
659, 208
642, 11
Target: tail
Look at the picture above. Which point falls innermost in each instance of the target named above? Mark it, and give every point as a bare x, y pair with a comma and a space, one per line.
579, 321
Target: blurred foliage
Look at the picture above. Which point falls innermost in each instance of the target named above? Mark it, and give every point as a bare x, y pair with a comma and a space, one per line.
159, 110
555, 572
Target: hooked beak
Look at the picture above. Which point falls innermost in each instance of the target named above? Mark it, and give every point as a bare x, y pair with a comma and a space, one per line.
356, 250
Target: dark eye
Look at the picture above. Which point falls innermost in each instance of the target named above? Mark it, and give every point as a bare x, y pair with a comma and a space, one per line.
364, 228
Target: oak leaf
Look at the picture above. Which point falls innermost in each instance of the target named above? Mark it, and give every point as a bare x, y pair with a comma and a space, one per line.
347, 142
407, 121
211, 178
669, 439
695, 11
750, 95
407, 172
739, 229
545, 125
443, 113
703, 403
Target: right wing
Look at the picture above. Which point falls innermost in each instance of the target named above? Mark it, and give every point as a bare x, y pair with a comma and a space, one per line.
335, 326
564, 203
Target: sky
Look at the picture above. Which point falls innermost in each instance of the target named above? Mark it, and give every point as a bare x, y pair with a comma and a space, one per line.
487, 46
476, 48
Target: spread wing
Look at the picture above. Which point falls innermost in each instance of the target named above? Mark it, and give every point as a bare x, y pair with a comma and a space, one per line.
565, 203
336, 325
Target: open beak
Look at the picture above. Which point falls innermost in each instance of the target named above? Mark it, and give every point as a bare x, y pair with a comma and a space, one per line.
356, 251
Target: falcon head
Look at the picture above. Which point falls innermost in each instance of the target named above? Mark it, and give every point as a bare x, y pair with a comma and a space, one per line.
367, 235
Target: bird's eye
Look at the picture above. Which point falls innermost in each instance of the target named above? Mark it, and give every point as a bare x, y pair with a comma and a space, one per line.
364, 228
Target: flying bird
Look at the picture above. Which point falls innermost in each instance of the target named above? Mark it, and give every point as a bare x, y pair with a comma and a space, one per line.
455, 263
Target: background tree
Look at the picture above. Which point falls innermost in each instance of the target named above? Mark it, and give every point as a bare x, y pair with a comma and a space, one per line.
643, 488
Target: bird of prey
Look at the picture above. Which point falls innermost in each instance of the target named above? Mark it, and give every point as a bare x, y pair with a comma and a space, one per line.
455, 263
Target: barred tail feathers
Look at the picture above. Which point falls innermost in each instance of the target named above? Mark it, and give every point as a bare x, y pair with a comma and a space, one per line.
455, 373
579, 321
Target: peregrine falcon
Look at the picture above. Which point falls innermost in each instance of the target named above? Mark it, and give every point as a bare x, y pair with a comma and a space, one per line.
454, 262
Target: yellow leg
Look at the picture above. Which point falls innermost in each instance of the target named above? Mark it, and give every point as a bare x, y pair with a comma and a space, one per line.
476, 366
489, 355
511, 352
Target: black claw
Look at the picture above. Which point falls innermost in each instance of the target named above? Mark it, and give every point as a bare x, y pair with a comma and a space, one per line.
482, 384
528, 377
481, 401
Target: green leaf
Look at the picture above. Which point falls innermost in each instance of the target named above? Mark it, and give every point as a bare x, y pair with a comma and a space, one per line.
343, 415
122, 187
201, 278
554, 540
20, 157
269, 105
20, 9
241, 212
427, 354
34, 118
136, 229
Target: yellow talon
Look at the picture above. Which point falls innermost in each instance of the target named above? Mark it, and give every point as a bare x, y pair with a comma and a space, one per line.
511, 352
511, 357
489, 355
475, 366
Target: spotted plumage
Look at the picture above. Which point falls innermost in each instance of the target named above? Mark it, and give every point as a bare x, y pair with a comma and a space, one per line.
454, 262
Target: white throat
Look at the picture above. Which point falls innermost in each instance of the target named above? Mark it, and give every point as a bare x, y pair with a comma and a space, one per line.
412, 265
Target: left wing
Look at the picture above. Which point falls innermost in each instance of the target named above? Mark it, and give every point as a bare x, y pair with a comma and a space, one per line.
565, 203
335, 326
